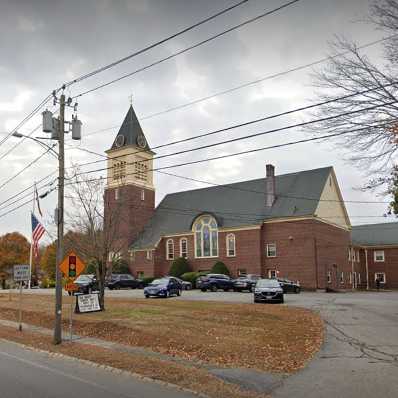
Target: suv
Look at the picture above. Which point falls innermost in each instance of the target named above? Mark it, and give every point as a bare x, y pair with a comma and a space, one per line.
268, 290
123, 281
246, 282
214, 282
289, 286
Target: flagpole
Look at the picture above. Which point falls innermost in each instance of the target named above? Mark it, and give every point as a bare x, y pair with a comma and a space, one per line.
31, 238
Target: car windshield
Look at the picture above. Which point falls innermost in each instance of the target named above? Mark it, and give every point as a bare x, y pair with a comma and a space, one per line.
157, 282
268, 283
84, 278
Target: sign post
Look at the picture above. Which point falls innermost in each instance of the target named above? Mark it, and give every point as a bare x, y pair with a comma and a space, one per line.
21, 274
71, 267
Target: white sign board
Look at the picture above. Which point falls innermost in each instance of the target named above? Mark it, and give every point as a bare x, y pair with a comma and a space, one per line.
21, 272
88, 302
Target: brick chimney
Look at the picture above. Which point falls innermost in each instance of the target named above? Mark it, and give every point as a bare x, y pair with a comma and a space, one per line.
270, 185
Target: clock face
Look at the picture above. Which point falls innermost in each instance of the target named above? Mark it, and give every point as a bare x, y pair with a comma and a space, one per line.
119, 141
141, 141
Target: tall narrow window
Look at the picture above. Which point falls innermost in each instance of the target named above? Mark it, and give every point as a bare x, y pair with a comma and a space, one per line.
206, 237
170, 249
184, 247
149, 254
142, 195
271, 250
329, 276
231, 249
117, 194
342, 277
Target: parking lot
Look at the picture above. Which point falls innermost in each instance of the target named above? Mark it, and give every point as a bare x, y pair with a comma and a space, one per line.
360, 355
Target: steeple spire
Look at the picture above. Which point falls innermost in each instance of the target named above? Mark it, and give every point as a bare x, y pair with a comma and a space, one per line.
130, 133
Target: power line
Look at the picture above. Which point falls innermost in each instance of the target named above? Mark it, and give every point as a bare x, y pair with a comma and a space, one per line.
247, 84
25, 168
28, 117
291, 111
153, 45
251, 20
257, 135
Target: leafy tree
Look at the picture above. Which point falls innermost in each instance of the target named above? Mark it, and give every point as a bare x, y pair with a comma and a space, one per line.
393, 191
48, 260
179, 266
14, 249
370, 136
220, 268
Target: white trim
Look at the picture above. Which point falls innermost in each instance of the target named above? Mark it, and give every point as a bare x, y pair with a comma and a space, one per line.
227, 245
267, 250
169, 254
384, 276
380, 253
186, 247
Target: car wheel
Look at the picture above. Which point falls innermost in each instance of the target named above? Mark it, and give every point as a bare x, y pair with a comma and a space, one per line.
256, 301
297, 290
282, 300
252, 289
167, 294
69, 293
203, 290
147, 296
179, 292
226, 289
213, 288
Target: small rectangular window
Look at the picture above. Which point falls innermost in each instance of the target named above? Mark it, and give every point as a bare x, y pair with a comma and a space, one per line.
272, 273
149, 254
381, 276
359, 278
350, 278
379, 256
142, 195
271, 250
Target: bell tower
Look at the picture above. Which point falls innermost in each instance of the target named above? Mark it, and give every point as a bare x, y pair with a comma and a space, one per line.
129, 194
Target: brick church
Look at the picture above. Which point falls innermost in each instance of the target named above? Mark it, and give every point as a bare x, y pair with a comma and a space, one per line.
293, 226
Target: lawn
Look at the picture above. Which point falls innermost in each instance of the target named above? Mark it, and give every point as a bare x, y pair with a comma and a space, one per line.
274, 338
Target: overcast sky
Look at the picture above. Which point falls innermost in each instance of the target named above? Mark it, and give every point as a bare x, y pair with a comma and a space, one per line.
45, 43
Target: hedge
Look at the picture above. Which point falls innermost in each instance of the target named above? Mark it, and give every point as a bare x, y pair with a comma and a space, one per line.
220, 268
179, 266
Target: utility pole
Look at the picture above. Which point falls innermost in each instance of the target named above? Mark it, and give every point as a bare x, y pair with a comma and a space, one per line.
60, 223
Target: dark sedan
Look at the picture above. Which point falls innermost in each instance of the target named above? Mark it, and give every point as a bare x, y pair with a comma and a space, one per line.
123, 281
246, 282
86, 284
214, 282
289, 286
163, 287
267, 291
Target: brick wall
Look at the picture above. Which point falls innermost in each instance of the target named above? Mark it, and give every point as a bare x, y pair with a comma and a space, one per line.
129, 213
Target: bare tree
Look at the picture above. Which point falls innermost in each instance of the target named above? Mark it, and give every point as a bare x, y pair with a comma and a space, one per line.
92, 235
373, 147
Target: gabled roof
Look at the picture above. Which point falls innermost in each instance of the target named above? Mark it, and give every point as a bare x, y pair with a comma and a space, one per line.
130, 130
235, 205
382, 234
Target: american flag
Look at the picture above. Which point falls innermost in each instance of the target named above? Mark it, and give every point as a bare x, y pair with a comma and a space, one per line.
37, 232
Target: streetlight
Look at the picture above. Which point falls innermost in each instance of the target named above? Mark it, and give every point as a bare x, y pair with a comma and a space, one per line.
19, 135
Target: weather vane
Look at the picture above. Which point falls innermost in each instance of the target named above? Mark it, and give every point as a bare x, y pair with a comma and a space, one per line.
131, 99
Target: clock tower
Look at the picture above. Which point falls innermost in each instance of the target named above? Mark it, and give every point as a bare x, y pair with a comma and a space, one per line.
129, 194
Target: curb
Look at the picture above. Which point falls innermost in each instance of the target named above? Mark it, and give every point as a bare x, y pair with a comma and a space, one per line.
108, 368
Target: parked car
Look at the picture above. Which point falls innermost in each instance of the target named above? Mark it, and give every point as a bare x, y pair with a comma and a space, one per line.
86, 283
289, 286
163, 287
214, 282
268, 290
246, 282
123, 281
185, 284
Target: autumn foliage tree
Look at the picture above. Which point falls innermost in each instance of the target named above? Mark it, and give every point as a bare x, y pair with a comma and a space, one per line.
14, 249
48, 260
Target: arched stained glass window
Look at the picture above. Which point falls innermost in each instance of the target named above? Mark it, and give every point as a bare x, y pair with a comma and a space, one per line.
206, 237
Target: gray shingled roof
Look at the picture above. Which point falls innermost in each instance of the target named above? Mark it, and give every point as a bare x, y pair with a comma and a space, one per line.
130, 129
235, 205
375, 234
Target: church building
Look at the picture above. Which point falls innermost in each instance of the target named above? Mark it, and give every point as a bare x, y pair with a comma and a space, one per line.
291, 226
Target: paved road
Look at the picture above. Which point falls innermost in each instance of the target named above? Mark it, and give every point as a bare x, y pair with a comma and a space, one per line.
360, 356
29, 374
